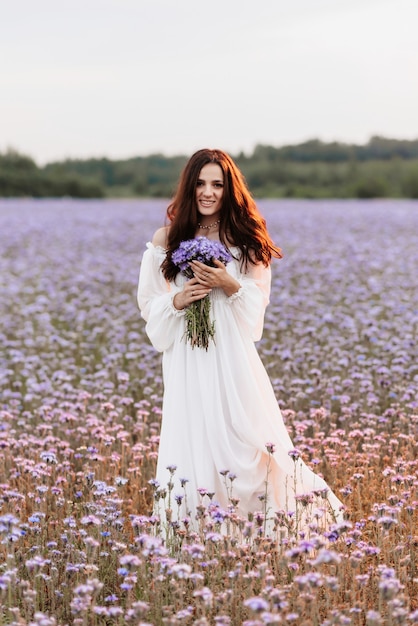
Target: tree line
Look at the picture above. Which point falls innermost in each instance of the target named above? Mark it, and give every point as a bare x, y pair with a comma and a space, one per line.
314, 169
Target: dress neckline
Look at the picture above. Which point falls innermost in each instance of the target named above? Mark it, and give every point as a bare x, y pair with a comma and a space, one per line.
164, 250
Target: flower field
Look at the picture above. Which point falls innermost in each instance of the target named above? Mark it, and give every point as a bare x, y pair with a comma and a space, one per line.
80, 410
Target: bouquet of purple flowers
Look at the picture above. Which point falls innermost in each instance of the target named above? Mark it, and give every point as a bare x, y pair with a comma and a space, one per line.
199, 328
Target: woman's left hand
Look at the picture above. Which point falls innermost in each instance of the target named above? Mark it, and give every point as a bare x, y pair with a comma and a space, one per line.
217, 276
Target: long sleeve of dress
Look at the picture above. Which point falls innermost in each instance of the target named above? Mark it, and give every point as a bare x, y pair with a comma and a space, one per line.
249, 303
155, 300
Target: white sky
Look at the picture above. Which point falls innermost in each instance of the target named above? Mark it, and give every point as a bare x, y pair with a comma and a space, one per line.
119, 78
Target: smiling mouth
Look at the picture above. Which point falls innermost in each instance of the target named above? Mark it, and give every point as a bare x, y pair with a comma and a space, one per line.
207, 202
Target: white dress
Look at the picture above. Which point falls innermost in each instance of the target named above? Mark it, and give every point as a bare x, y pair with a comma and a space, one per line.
219, 407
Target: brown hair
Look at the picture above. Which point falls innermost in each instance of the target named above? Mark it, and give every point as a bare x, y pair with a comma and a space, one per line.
241, 223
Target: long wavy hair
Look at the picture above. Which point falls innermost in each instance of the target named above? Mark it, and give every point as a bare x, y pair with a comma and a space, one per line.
241, 223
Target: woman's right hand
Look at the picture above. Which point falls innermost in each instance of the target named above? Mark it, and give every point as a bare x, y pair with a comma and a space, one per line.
192, 292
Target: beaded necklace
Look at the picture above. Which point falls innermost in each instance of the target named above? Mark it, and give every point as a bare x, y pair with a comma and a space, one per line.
209, 226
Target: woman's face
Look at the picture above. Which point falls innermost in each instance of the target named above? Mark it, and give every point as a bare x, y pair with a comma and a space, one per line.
210, 189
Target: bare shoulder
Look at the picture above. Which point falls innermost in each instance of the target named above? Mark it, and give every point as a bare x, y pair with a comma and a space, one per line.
160, 237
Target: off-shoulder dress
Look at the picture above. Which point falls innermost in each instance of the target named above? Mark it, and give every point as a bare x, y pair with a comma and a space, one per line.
219, 407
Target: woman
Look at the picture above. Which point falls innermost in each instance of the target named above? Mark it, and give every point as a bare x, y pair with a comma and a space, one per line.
222, 428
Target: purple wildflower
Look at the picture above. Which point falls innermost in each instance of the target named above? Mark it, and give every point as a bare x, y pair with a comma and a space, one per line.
257, 604
294, 454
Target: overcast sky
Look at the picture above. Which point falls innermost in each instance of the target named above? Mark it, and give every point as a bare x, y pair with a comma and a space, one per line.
119, 78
